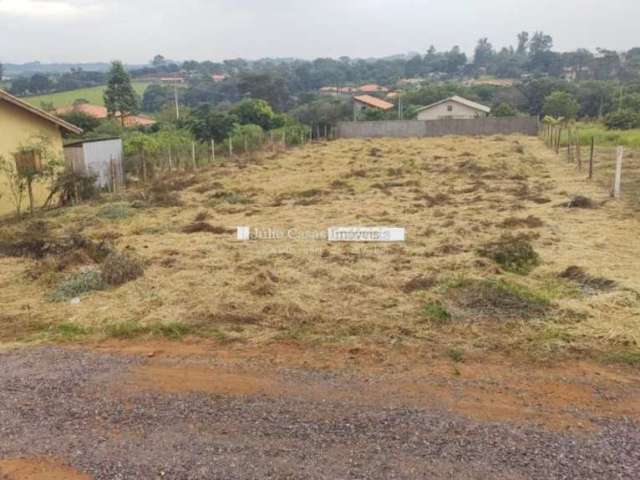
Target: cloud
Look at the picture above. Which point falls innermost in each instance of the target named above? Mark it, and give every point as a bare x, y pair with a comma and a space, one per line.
46, 9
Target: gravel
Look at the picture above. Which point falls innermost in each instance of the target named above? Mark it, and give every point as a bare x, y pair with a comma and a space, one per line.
62, 403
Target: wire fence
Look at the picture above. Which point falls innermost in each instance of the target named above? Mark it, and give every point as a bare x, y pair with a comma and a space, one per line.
171, 156
615, 168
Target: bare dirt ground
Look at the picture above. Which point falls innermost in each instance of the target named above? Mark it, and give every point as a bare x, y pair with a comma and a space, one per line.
158, 410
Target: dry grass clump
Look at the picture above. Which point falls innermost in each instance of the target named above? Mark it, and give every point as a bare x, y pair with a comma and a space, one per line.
528, 222
513, 253
76, 284
204, 227
121, 267
419, 283
588, 283
581, 201
494, 299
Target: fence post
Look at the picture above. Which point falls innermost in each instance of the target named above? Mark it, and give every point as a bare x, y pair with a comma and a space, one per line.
245, 144
578, 152
193, 155
618, 177
213, 151
593, 144
230, 146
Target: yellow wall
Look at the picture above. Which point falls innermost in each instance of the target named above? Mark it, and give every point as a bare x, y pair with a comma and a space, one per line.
18, 127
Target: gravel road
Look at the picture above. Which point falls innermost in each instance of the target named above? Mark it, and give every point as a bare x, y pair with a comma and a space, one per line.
65, 404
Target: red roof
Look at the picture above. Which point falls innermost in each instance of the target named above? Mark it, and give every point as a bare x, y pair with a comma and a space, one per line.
372, 88
374, 102
100, 112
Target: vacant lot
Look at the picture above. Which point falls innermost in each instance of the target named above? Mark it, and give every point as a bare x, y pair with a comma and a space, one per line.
496, 260
500, 341
94, 95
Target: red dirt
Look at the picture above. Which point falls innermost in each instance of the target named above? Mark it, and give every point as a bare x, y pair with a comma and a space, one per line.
37, 469
495, 389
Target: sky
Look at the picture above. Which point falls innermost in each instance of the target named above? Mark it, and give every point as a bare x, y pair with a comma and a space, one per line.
135, 30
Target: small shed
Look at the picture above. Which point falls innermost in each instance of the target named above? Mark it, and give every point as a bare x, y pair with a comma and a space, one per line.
101, 158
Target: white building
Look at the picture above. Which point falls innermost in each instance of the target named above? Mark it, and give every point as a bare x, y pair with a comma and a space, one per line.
453, 107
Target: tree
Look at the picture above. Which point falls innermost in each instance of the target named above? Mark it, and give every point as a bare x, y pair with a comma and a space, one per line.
523, 44
483, 53
40, 83
561, 104
504, 110
86, 122
158, 61
120, 98
156, 98
268, 87
254, 111
540, 54
207, 125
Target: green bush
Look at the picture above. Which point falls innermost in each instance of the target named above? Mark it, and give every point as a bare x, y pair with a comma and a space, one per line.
622, 120
115, 211
436, 312
76, 284
513, 253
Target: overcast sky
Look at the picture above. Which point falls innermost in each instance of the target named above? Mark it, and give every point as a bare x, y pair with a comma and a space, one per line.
135, 30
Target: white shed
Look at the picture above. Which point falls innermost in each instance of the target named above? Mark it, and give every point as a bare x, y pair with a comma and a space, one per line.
102, 158
453, 107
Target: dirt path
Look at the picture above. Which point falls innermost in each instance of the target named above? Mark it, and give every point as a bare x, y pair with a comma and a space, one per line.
194, 414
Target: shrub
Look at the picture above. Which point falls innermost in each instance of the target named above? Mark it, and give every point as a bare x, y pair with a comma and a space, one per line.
121, 267
622, 120
504, 110
76, 284
513, 253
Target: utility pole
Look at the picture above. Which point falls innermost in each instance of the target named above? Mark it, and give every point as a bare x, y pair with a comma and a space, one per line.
175, 96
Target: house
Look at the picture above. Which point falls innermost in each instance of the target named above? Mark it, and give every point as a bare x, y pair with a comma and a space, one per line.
101, 113
20, 125
372, 88
453, 107
362, 103
337, 91
218, 78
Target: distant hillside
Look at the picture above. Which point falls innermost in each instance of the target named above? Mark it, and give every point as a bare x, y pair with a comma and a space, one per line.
15, 70
92, 95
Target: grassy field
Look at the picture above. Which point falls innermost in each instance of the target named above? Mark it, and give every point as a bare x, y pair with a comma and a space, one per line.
604, 137
495, 259
94, 95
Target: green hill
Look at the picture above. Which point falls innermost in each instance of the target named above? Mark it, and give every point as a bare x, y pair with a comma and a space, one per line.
93, 95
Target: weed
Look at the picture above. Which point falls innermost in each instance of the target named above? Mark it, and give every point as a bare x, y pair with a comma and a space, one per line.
115, 211
172, 330
588, 283
67, 331
580, 201
513, 253
126, 330
77, 284
456, 355
437, 313
120, 268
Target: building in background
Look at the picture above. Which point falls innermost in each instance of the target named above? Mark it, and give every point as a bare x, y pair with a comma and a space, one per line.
101, 158
363, 103
453, 107
101, 113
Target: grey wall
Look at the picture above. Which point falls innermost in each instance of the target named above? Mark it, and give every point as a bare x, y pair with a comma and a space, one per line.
438, 128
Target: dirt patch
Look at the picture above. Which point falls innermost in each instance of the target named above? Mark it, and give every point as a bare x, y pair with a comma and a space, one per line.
588, 283
494, 299
174, 379
419, 283
38, 469
204, 227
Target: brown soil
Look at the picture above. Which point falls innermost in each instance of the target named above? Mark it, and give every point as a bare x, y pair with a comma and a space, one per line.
37, 469
563, 396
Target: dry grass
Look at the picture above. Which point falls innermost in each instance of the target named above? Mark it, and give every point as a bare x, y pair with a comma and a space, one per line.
452, 203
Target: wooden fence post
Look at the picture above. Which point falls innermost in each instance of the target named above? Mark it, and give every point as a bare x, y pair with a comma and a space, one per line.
618, 177
230, 146
593, 145
193, 155
213, 151
578, 152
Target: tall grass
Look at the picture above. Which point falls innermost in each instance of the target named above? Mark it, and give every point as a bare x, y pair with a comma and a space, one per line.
603, 137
